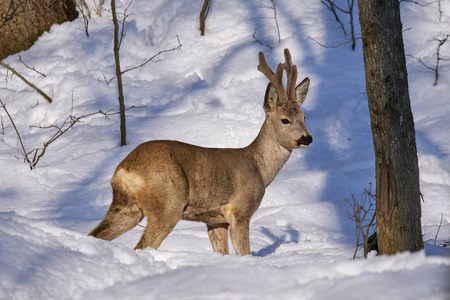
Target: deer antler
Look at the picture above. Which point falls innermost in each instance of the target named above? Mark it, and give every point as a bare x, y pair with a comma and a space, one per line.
291, 73
277, 78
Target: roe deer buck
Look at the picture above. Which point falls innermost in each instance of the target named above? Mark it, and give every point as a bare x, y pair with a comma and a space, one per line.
167, 181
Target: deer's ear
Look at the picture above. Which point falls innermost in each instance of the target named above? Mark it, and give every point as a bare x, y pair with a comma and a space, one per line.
301, 90
271, 98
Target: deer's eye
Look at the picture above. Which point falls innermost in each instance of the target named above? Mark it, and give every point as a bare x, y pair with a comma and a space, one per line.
285, 121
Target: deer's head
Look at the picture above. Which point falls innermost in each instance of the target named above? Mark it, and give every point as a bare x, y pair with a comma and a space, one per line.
282, 106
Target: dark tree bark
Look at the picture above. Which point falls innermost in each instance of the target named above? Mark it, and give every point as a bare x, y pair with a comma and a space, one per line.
398, 208
23, 21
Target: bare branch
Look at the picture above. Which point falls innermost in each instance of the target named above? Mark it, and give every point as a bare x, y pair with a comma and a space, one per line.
81, 5
2, 124
26, 81
274, 8
67, 124
107, 81
440, 223
418, 3
31, 68
259, 42
435, 69
335, 44
17, 131
125, 16
178, 47
358, 211
98, 8
333, 7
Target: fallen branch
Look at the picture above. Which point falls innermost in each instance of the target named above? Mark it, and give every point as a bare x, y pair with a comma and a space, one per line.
26, 81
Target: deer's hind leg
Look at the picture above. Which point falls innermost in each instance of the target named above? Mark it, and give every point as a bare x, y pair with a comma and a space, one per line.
157, 229
163, 208
218, 236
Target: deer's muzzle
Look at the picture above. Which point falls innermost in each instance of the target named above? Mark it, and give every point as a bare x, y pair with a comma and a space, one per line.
305, 140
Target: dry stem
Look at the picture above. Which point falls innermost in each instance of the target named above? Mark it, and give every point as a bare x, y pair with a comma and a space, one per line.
203, 15
360, 210
435, 69
26, 81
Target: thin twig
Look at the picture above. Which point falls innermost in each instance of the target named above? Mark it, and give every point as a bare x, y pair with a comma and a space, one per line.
3, 125
274, 3
274, 8
81, 5
259, 42
17, 131
435, 238
358, 214
68, 123
125, 16
335, 44
98, 8
26, 81
31, 68
332, 6
154, 56
418, 3
107, 81
435, 69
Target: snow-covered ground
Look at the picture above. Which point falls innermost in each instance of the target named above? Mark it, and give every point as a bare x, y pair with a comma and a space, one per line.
210, 93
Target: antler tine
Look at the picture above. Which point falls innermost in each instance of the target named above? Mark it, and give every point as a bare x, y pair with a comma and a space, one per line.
276, 78
291, 72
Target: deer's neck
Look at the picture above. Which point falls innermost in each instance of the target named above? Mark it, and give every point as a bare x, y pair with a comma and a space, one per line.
268, 155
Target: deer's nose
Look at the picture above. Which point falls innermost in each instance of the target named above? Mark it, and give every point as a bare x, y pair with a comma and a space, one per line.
305, 140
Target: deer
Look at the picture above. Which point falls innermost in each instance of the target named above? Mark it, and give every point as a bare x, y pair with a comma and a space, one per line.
168, 181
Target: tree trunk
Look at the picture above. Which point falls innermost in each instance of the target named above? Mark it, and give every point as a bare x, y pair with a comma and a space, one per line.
398, 208
23, 21
123, 130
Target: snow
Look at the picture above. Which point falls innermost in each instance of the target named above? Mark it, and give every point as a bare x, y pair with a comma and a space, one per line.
210, 93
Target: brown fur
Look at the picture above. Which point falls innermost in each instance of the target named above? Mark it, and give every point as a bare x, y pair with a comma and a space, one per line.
167, 181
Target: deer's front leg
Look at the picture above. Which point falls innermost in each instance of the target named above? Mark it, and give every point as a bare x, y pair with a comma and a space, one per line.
218, 235
240, 235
